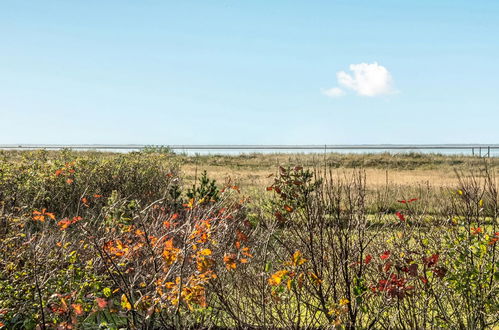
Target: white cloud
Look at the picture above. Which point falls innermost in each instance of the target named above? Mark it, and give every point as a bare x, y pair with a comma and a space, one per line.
366, 79
333, 92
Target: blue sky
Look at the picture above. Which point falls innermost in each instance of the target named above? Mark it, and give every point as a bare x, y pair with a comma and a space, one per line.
248, 72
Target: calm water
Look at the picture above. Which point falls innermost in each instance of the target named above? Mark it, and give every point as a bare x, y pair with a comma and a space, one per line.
494, 152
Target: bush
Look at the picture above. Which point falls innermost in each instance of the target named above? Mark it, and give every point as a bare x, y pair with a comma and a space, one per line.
115, 241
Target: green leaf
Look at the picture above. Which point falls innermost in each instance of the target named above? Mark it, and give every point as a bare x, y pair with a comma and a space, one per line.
107, 292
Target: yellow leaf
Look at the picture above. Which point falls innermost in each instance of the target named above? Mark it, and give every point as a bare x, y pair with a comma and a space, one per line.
277, 277
125, 303
298, 259
205, 252
316, 278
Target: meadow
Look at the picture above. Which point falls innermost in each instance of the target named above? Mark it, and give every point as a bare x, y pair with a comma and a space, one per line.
154, 240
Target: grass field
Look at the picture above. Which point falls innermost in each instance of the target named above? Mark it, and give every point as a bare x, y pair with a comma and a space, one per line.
252, 170
150, 240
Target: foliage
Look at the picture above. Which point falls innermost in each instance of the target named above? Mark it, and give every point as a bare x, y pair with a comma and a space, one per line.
205, 192
99, 241
160, 149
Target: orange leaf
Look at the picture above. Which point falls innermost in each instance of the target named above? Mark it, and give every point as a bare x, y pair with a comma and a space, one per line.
77, 309
39, 218
230, 261
64, 223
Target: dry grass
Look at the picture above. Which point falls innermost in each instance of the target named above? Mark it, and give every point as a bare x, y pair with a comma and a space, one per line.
254, 171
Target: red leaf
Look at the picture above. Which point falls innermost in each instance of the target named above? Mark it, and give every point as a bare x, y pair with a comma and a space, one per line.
385, 255
400, 216
431, 261
368, 259
408, 201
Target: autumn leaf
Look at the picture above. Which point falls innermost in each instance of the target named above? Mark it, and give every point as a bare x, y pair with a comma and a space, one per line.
170, 253
344, 301
385, 255
245, 252
84, 200
431, 261
40, 216
408, 201
230, 261
190, 204
205, 252
368, 259
476, 231
77, 309
101, 302
279, 216
277, 277
241, 236
400, 216
125, 303
64, 223
297, 259
315, 278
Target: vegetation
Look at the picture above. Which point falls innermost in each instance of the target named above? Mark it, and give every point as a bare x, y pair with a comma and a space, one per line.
91, 240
